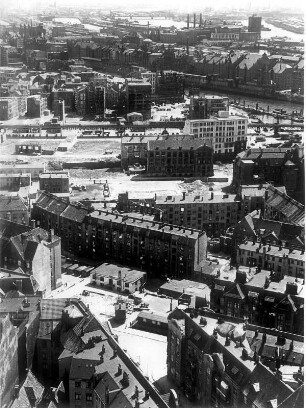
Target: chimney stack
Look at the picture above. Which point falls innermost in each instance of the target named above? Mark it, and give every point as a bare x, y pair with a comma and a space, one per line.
188, 21
194, 20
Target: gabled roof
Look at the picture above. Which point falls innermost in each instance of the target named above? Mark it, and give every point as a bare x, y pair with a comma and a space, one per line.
51, 203
30, 394
235, 292
295, 400
12, 203
287, 206
269, 385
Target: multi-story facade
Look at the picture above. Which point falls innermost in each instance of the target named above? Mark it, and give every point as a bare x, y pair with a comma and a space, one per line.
8, 108
14, 208
227, 135
207, 106
219, 363
139, 98
282, 166
54, 182
261, 296
134, 149
35, 251
254, 25
154, 247
36, 104
212, 212
280, 259
9, 361
179, 157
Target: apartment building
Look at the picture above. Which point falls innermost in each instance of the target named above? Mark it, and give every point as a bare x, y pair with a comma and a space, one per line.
14, 181
8, 108
139, 98
14, 208
9, 360
260, 295
134, 149
280, 259
34, 250
54, 182
179, 157
34, 169
229, 364
151, 246
36, 104
207, 106
211, 212
226, 134
280, 166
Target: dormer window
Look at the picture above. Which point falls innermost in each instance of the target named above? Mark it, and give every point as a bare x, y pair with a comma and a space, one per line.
256, 387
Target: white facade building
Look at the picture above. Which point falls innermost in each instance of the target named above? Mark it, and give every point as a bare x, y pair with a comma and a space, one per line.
220, 132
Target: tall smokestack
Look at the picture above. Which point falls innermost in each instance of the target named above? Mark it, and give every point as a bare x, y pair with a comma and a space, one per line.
194, 20
201, 20
187, 20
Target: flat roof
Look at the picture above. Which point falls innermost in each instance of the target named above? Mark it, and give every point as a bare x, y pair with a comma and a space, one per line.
111, 271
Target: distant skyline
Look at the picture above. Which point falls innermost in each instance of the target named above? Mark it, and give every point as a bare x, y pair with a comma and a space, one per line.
174, 5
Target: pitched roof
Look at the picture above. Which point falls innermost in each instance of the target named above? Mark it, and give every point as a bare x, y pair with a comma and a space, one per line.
51, 203
12, 203
51, 309
287, 206
75, 212
30, 394
268, 387
10, 229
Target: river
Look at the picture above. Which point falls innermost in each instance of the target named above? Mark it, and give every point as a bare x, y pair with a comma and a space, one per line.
267, 104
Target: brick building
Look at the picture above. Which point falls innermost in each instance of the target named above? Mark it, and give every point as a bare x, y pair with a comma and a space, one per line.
36, 104
154, 247
281, 166
35, 251
223, 364
211, 212
139, 98
207, 106
179, 157
261, 296
54, 182
31, 168
280, 259
14, 208
8, 108
9, 361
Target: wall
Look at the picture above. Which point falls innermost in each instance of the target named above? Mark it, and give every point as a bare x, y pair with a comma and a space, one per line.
9, 361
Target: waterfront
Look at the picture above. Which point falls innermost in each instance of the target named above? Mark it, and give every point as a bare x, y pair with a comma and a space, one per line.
266, 104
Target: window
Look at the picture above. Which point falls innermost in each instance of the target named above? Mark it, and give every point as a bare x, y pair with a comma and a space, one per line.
88, 397
77, 384
78, 396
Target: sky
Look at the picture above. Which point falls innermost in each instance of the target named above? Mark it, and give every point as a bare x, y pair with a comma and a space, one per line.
178, 5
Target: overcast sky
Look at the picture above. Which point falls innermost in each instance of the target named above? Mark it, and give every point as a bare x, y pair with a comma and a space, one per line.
179, 5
